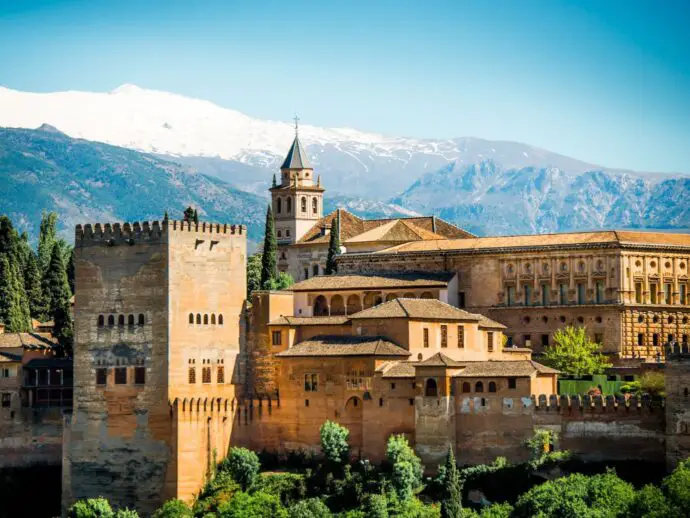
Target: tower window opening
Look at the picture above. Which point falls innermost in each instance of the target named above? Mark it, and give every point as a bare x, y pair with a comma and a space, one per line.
213, 319
121, 321
130, 320
142, 319
198, 319
191, 318
220, 320
303, 203
206, 319
101, 321
111, 320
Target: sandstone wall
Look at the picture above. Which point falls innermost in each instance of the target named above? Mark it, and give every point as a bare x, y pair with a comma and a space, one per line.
30, 437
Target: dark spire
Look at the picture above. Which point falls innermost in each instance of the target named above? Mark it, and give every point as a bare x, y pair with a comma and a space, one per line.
296, 157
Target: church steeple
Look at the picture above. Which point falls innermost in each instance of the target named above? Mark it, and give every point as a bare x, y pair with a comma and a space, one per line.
296, 157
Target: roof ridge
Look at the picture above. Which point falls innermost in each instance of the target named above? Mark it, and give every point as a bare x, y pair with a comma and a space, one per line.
407, 313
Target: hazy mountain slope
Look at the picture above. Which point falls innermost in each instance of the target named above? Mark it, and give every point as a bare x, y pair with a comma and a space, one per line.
487, 198
88, 182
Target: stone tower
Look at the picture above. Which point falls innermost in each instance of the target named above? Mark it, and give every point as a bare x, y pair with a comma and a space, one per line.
298, 198
677, 405
158, 327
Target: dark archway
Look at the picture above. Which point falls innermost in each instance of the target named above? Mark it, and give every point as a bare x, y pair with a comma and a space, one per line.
320, 306
431, 389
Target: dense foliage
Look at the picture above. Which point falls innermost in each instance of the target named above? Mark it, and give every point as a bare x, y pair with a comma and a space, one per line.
242, 465
334, 443
269, 259
333, 247
573, 353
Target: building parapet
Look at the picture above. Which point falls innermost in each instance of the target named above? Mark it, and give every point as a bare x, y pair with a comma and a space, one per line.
597, 403
130, 233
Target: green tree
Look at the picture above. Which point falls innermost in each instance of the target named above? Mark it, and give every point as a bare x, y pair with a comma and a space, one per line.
407, 467
573, 353
451, 505
12, 311
196, 216
503, 510
253, 274
651, 502
126, 513
256, 505
34, 290
173, 508
334, 442
376, 506
677, 485
188, 214
282, 282
70, 270
91, 508
243, 465
333, 246
56, 289
46, 239
309, 508
268, 259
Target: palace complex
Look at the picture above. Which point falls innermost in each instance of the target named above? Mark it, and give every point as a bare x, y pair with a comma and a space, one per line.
426, 330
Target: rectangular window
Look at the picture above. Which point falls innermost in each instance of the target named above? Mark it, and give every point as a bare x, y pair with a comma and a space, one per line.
509, 340
528, 295
683, 294
528, 340
638, 292
490, 340
600, 292
685, 339
461, 299
311, 382
101, 376
563, 294
191, 375
655, 339
444, 336
221, 374
6, 398
640, 339
581, 293
206, 375
306, 273
544, 294
426, 337
277, 337
653, 292
512, 383
140, 375
461, 337
598, 338
121, 376
544, 340
392, 386
510, 295
667, 293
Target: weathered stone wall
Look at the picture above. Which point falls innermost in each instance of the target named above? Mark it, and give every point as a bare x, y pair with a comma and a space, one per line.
30, 437
677, 409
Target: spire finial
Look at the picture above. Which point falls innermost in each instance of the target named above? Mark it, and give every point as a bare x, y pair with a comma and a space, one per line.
296, 119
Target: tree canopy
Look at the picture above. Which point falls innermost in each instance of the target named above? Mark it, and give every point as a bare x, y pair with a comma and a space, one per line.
574, 354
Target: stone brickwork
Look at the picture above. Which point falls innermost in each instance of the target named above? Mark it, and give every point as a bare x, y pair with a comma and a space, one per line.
677, 408
30, 437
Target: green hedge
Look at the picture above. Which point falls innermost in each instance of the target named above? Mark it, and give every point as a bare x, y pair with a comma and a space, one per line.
573, 387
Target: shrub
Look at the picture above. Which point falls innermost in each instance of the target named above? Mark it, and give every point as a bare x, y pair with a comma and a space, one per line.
173, 509
91, 508
497, 511
574, 353
653, 383
677, 485
288, 487
407, 468
242, 464
256, 505
334, 443
650, 502
376, 506
126, 513
309, 508
216, 492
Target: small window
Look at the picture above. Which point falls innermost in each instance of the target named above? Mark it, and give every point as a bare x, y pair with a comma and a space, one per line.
191, 375
306, 273
392, 386
205, 320
198, 319
444, 336
279, 205
6, 399
426, 337
142, 319
479, 387
121, 321
314, 205
277, 337
466, 387
140, 375
130, 320
220, 377
628, 377
315, 270
640, 338
101, 376
411, 402
380, 401
111, 320
512, 383
311, 382
121, 376
655, 339
461, 299
101, 321
303, 204
279, 234
490, 339
461, 337
483, 402
492, 386
220, 320
306, 402
206, 375
213, 319
191, 318
544, 340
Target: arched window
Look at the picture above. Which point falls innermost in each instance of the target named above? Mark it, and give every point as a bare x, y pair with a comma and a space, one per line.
130, 320
111, 320
466, 388
220, 320
279, 205
191, 318
205, 320
288, 205
198, 318
353, 304
213, 319
304, 203
431, 388
314, 205
320, 307
121, 321
337, 305
142, 320
101, 321
479, 387
279, 234
427, 295
492, 386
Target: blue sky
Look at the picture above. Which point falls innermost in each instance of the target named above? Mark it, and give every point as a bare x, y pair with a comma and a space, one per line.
607, 81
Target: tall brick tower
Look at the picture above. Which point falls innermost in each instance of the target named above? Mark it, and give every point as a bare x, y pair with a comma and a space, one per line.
158, 326
298, 199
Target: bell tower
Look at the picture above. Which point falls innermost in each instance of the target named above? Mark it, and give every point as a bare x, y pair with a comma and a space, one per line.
297, 200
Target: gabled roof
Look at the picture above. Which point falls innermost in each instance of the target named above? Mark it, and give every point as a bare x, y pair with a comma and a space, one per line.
296, 157
28, 340
399, 369
440, 360
309, 321
345, 346
396, 230
374, 281
497, 368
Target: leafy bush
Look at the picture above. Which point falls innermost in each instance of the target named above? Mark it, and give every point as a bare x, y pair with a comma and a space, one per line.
376, 506
573, 353
309, 508
173, 509
651, 502
677, 485
217, 492
256, 505
126, 513
288, 487
407, 467
497, 511
334, 443
653, 383
91, 508
242, 464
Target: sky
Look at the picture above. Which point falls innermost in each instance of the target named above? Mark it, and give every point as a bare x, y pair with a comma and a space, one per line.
605, 81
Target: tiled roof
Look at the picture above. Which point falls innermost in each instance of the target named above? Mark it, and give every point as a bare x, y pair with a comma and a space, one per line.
354, 229
344, 346
604, 237
387, 280
402, 369
498, 368
13, 354
29, 340
309, 321
296, 157
429, 309
440, 360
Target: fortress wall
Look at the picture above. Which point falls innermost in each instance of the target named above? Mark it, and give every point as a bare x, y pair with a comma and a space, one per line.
30, 437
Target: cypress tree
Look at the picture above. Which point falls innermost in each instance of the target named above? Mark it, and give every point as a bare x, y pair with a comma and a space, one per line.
268, 259
56, 288
165, 216
12, 311
189, 214
34, 289
70, 271
275, 184
46, 240
333, 246
16, 309
451, 505
196, 216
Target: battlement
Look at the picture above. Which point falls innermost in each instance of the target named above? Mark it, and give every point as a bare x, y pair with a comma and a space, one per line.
131, 233
598, 403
